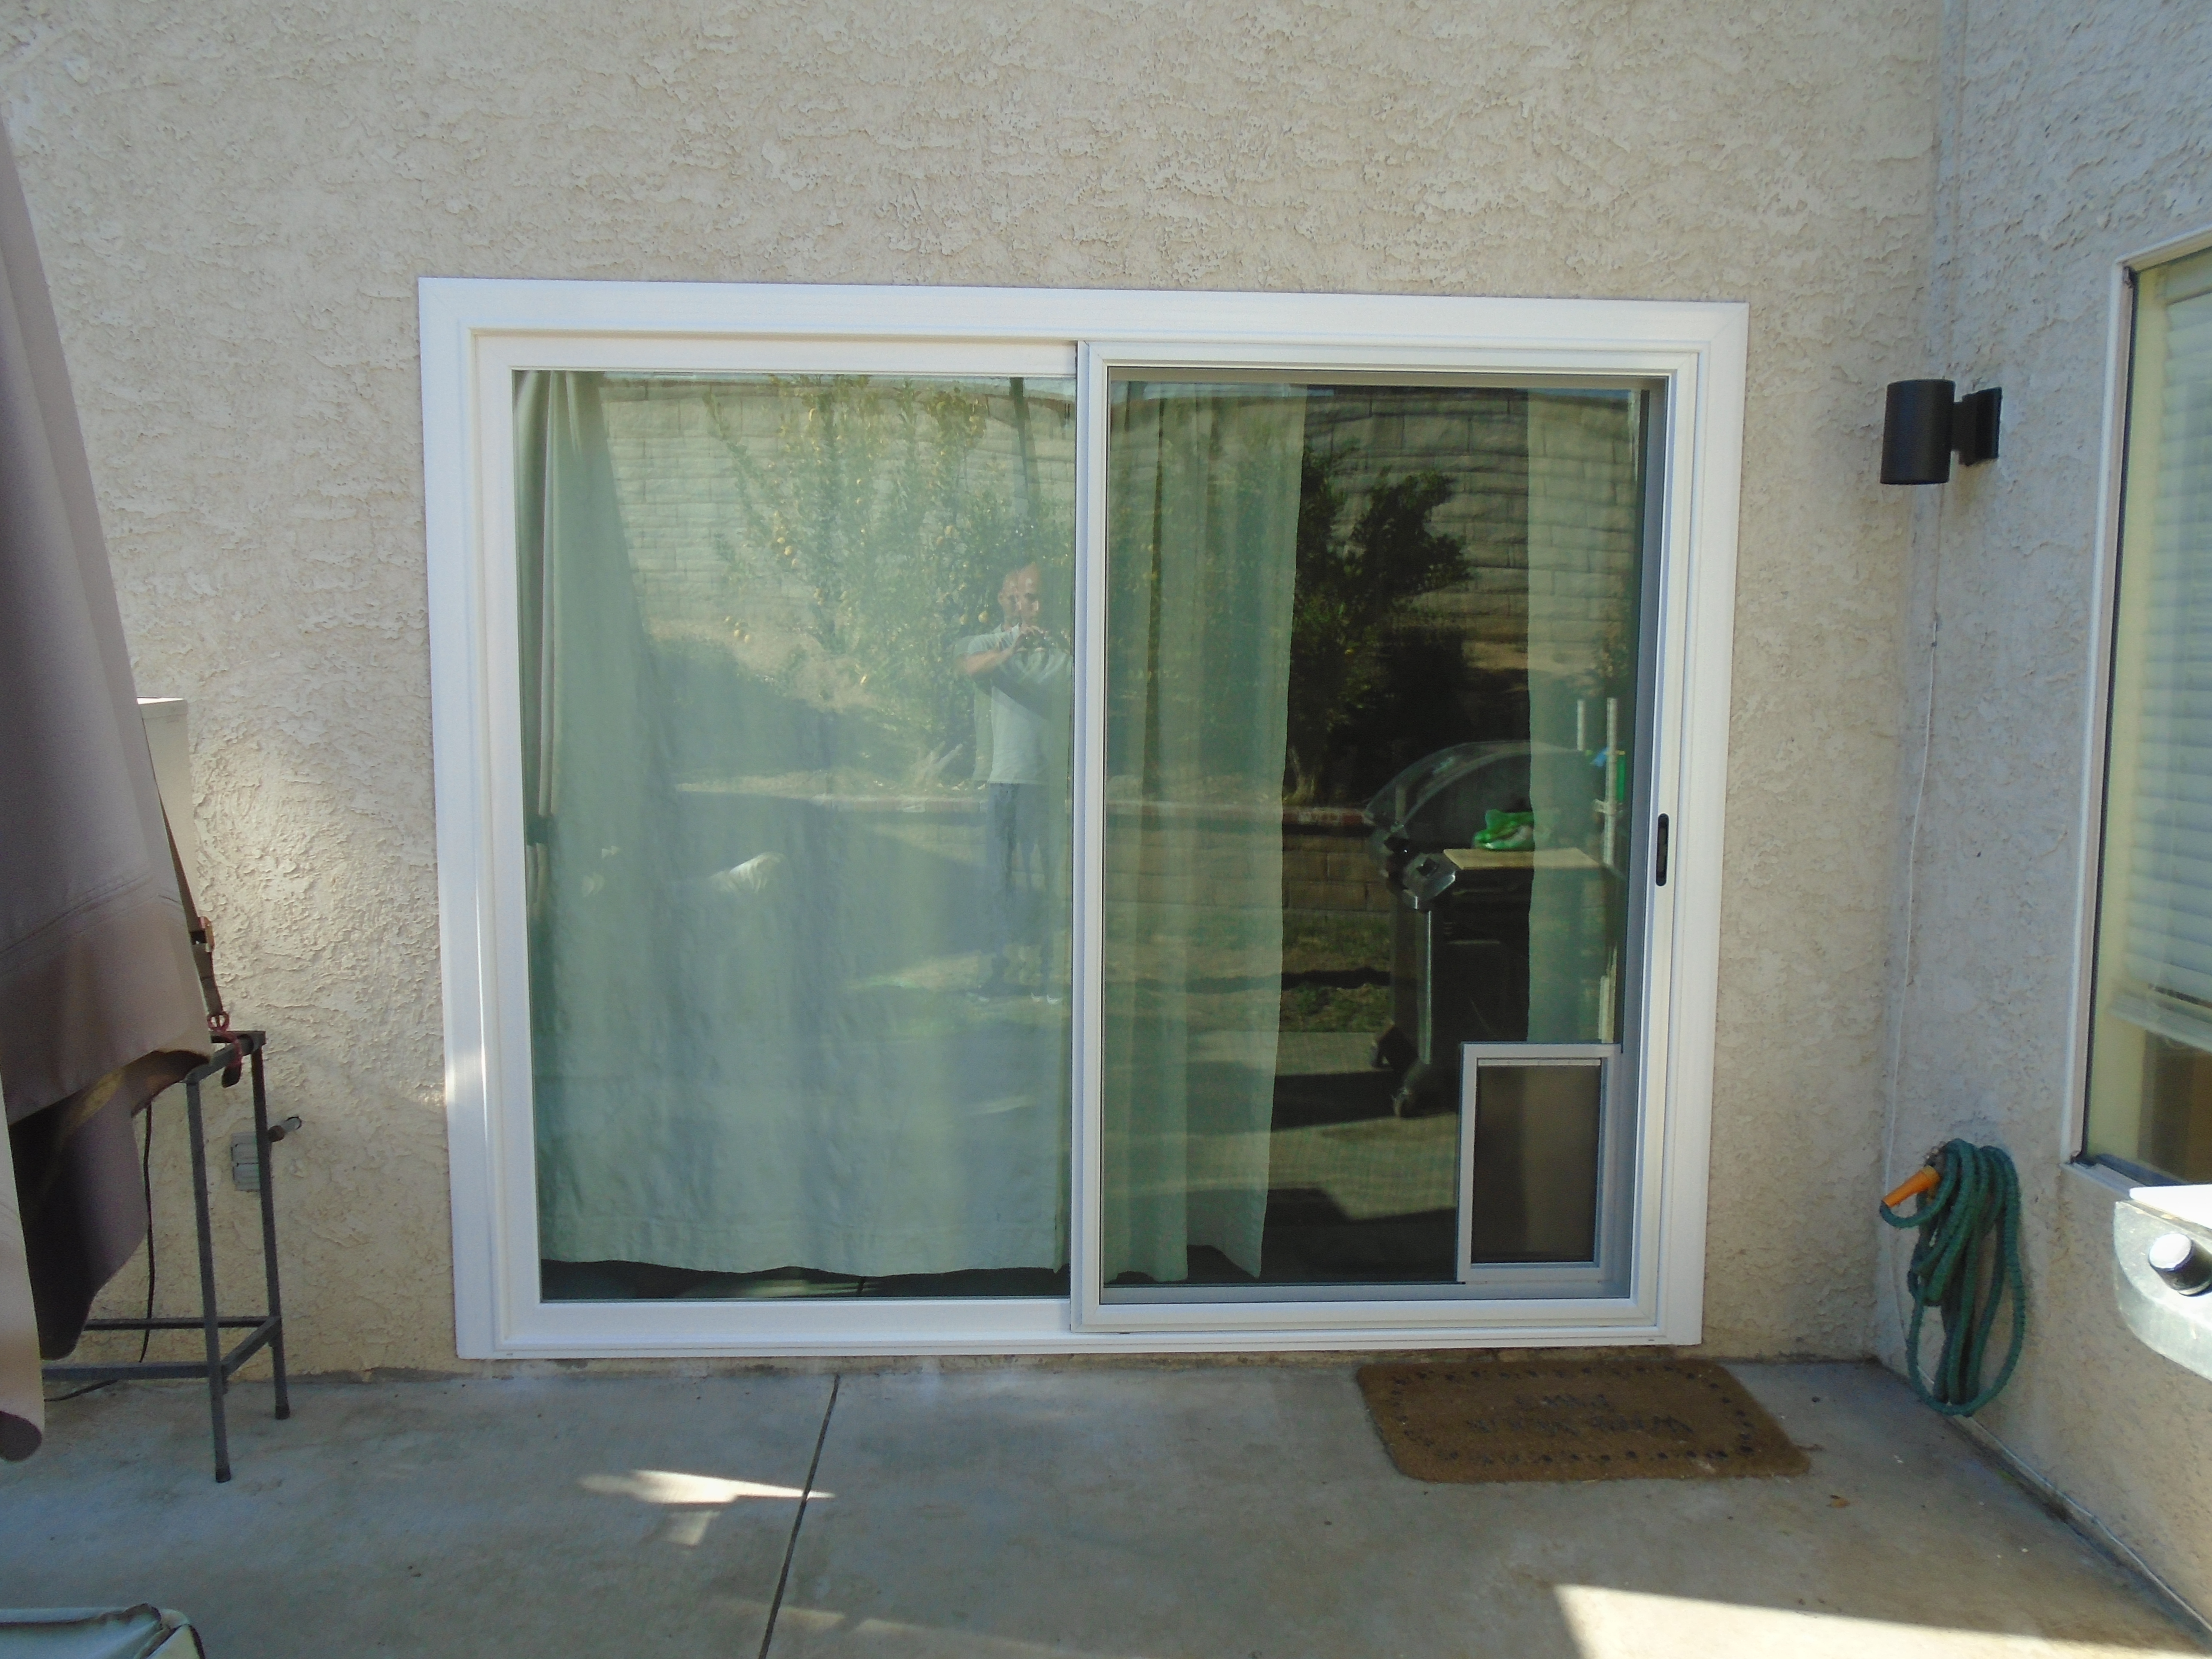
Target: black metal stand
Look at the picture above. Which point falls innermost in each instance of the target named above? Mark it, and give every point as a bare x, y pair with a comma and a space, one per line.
261, 1330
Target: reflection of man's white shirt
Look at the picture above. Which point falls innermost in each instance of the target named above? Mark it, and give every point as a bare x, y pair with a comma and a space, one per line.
1025, 692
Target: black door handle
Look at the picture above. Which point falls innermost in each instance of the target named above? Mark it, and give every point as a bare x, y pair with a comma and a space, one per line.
1659, 853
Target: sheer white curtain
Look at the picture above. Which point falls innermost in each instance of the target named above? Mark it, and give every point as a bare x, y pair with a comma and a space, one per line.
1203, 510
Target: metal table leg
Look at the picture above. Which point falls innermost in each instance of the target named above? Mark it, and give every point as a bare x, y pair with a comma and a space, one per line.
218, 1384
260, 1330
262, 1144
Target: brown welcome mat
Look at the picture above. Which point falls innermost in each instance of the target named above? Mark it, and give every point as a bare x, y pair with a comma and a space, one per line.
1631, 1419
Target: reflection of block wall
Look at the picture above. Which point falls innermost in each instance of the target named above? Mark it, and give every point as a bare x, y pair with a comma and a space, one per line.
1332, 872
692, 543
1546, 499
1479, 443
677, 492
1190, 870
1584, 514
694, 555
1322, 870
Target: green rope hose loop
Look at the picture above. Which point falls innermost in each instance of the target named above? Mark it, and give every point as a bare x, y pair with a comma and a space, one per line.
1965, 1264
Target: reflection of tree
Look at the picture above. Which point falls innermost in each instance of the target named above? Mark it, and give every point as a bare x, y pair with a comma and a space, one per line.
1350, 587
882, 499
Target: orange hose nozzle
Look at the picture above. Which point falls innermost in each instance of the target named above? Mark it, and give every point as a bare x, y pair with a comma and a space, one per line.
1926, 1180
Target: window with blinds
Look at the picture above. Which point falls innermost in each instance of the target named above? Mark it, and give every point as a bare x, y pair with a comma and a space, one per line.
2151, 1076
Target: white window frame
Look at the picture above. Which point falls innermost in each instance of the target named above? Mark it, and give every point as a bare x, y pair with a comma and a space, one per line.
2111, 477
476, 333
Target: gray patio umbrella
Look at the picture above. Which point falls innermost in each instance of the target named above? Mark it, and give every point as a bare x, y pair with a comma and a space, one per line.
101, 1006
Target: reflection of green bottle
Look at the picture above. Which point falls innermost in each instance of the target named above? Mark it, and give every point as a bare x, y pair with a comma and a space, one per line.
1506, 832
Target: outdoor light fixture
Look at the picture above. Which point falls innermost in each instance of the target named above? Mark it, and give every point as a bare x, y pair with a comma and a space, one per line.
1928, 421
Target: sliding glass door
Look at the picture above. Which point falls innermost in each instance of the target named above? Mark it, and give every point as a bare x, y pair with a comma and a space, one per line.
797, 666
1372, 761
1012, 820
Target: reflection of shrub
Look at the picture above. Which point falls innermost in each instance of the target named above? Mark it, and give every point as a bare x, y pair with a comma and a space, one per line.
1350, 587
880, 497
1427, 696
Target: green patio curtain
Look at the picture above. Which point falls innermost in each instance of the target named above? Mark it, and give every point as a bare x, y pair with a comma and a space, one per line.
756, 900
1584, 529
1202, 526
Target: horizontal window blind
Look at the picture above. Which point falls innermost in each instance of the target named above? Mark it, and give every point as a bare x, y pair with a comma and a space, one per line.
2168, 895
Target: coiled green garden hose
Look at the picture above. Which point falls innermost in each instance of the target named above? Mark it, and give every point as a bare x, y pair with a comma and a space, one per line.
1965, 1264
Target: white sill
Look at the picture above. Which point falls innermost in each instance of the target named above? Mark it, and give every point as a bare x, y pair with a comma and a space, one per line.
2190, 1204
2110, 1182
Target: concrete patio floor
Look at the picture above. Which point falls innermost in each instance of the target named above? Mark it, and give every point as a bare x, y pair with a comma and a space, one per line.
1244, 1512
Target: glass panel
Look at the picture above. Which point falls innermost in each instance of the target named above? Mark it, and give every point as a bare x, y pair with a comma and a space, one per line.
2150, 1079
1372, 665
795, 674
1534, 1195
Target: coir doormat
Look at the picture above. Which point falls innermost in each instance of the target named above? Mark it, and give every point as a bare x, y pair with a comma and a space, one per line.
1635, 1420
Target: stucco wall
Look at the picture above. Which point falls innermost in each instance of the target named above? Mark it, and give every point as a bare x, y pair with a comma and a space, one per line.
235, 198
2066, 146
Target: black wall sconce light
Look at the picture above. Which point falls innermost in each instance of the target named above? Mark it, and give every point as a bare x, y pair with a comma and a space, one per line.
1927, 421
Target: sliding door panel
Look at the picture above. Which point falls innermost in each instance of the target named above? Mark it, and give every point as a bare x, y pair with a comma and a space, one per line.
1374, 678
795, 673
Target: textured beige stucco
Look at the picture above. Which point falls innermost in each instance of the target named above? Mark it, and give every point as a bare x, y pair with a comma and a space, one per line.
2066, 147
235, 198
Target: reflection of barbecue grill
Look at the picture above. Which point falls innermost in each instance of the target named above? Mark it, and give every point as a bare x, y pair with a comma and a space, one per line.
1459, 968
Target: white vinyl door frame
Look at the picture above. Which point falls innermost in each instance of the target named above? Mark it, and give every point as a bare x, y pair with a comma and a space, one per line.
475, 334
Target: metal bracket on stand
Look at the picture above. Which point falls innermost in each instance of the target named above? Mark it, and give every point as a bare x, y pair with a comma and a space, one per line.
261, 1330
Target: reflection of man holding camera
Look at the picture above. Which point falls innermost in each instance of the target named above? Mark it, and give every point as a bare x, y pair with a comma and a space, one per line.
1026, 671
